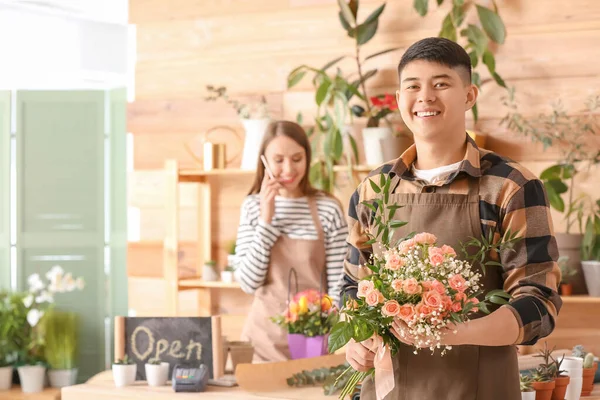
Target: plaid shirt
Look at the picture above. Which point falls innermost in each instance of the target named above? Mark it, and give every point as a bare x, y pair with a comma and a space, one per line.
510, 197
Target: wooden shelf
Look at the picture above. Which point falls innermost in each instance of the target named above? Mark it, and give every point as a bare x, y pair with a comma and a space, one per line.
195, 283
580, 299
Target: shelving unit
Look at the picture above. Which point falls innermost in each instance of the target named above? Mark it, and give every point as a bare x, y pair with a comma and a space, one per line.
208, 304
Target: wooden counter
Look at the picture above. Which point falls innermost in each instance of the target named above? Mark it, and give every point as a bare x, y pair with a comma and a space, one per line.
17, 394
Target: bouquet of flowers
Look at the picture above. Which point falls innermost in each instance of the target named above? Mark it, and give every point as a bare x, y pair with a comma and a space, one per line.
416, 281
309, 317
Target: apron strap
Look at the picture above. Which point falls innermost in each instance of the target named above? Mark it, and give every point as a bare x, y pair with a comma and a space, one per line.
312, 205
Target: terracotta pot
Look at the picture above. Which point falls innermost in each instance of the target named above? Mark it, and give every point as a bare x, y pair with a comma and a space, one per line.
543, 390
570, 245
588, 380
560, 389
566, 289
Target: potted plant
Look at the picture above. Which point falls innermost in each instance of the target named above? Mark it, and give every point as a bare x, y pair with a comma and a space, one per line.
7, 350
124, 371
309, 318
561, 380
157, 372
589, 371
567, 273
527, 391
209, 271
569, 133
227, 274
255, 118
543, 377
231, 258
61, 347
590, 250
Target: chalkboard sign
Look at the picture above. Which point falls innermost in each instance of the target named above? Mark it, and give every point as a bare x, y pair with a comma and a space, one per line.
176, 340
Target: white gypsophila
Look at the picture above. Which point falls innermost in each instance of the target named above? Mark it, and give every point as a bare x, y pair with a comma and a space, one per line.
45, 297
35, 283
33, 316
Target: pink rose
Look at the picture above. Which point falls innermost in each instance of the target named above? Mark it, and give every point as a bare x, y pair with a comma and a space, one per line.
427, 285
411, 286
474, 300
457, 282
406, 312
423, 309
460, 297
447, 300
456, 307
373, 297
432, 299
448, 251
397, 285
364, 287
438, 287
425, 238
391, 308
394, 262
406, 245
436, 259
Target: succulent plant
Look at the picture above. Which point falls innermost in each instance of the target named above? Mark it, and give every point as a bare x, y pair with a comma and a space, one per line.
526, 383
578, 351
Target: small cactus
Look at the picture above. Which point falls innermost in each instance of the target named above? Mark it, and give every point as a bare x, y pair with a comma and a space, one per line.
588, 361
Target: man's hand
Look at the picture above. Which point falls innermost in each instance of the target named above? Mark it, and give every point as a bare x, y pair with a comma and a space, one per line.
359, 354
400, 330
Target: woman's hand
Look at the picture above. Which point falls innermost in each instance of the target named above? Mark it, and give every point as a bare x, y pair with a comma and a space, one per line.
268, 190
359, 355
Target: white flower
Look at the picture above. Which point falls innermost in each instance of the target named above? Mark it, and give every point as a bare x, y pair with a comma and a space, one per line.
45, 297
55, 273
68, 282
34, 316
35, 282
28, 301
80, 283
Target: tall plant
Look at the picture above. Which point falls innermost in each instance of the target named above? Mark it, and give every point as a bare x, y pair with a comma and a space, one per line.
478, 38
333, 92
62, 339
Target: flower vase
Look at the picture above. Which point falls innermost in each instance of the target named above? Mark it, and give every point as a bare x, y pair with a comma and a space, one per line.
255, 130
316, 346
32, 378
297, 345
6, 374
372, 142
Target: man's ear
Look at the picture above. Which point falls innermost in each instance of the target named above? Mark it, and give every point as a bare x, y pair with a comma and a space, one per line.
472, 93
398, 97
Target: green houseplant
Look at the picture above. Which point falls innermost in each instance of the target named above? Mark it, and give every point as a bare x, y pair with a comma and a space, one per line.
567, 273
61, 350
526, 386
478, 39
333, 92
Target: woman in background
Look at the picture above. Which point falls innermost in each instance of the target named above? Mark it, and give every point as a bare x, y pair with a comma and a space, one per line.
285, 223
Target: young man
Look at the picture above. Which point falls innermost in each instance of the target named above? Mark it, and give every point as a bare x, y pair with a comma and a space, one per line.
453, 189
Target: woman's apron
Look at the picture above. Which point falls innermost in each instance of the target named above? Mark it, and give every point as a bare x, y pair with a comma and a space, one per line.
307, 257
465, 372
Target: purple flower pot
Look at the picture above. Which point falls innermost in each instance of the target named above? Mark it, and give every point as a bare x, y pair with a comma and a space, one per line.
297, 345
306, 347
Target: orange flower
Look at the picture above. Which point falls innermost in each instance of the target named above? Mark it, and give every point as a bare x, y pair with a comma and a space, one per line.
326, 303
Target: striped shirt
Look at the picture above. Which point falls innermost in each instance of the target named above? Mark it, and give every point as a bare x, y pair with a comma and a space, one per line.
510, 197
293, 218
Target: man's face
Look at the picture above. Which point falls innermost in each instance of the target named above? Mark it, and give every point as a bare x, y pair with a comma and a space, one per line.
433, 99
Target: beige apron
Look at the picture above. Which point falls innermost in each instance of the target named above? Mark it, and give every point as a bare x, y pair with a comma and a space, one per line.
465, 372
307, 257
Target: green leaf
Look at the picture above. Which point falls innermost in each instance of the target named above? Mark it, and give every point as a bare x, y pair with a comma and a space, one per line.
489, 61
439, 2
458, 3
499, 80
374, 186
483, 307
374, 16
345, 24
386, 190
294, 77
474, 59
458, 14
369, 206
386, 235
498, 300
338, 145
299, 118
354, 147
347, 12
448, 30
370, 242
397, 224
498, 293
382, 52
553, 172
476, 79
492, 24
339, 336
475, 112
332, 63
362, 330
476, 38
366, 31
555, 200
322, 92
421, 6
558, 186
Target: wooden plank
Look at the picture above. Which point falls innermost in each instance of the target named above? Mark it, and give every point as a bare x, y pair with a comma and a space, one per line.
147, 298
144, 259
153, 220
147, 188
15, 393
171, 238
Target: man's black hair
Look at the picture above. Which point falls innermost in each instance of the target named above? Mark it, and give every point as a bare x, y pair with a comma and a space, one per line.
439, 50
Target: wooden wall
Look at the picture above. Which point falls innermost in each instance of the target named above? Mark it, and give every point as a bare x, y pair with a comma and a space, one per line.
250, 46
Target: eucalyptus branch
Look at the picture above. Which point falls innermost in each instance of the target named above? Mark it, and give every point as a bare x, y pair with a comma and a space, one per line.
485, 245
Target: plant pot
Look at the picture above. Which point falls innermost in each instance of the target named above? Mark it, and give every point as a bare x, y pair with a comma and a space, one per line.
588, 380
241, 353
372, 139
255, 130
570, 245
297, 345
62, 377
543, 390
227, 276
316, 346
6, 374
528, 395
124, 375
566, 289
591, 271
560, 388
157, 375
231, 260
32, 378
209, 274
392, 147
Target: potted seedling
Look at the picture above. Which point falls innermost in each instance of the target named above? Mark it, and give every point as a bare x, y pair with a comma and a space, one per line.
227, 274
527, 391
61, 347
589, 371
231, 258
124, 371
157, 372
561, 379
543, 377
209, 271
568, 272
